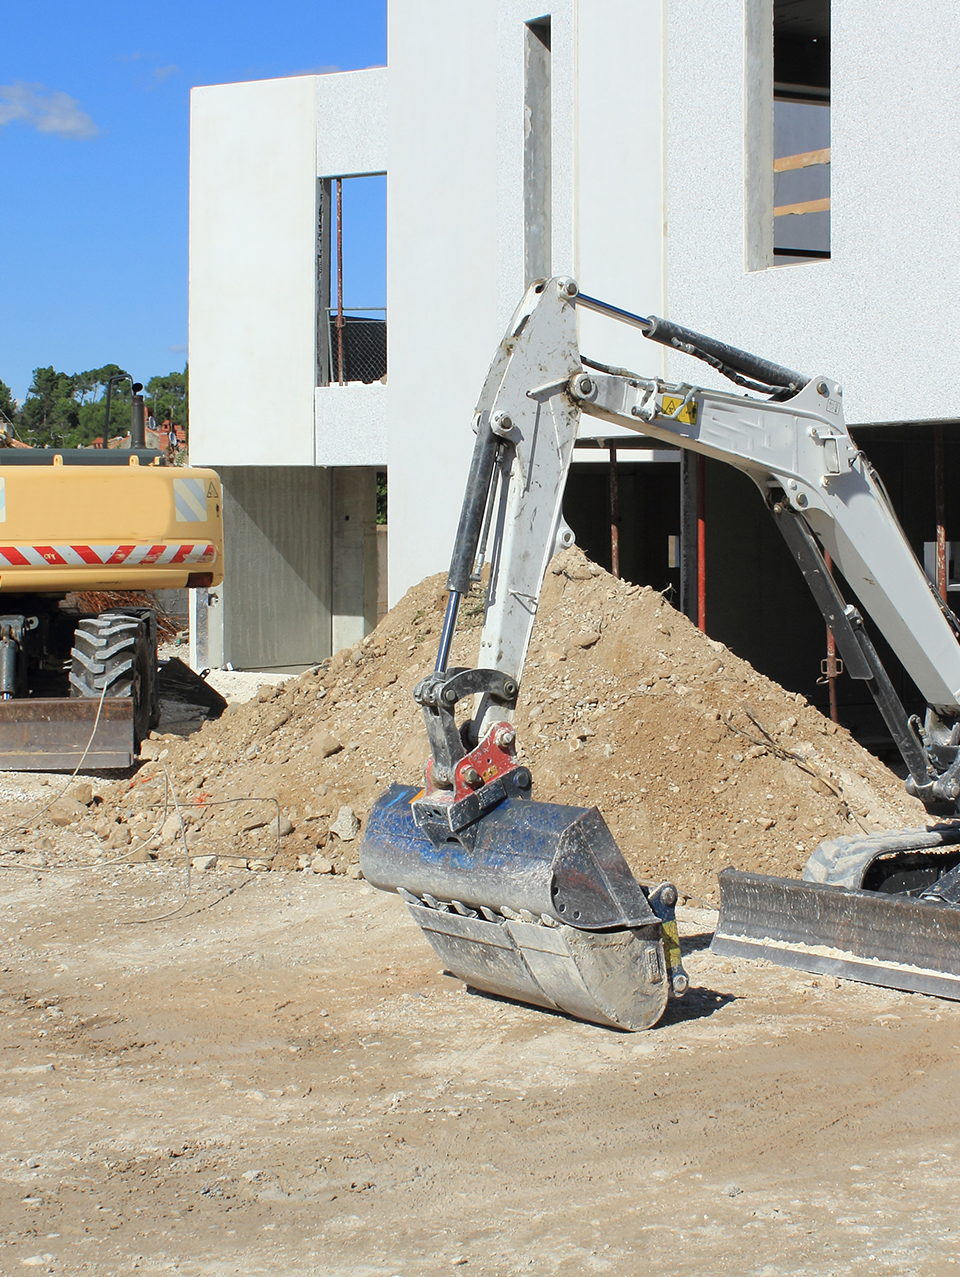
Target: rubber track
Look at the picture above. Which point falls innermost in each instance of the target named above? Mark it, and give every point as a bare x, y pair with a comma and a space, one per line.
843, 862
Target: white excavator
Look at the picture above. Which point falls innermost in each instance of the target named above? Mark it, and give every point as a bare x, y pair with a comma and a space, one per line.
534, 901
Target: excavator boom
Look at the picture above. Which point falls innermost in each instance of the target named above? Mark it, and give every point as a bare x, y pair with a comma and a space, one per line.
535, 901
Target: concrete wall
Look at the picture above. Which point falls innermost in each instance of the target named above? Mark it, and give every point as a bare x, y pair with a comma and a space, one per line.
253, 219
450, 129
257, 150
864, 317
351, 424
353, 554
619, 129
300, 538
456, 220
302, 542
352, 107
281, 565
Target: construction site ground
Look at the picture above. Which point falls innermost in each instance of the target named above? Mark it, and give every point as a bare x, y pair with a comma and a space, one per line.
281, 1082
261, 1070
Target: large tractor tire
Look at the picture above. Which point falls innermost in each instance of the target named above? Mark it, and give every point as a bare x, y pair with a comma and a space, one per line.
115, 654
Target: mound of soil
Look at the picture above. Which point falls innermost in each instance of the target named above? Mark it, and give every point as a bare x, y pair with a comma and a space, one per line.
695, 760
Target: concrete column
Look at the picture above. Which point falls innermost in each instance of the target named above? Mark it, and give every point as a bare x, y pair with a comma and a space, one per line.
354, 563
205, 611
758, 143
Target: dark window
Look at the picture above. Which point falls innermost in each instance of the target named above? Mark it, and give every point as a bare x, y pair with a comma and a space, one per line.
801, 130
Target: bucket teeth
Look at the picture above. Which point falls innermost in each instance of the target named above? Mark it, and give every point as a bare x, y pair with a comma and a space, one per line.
617, 978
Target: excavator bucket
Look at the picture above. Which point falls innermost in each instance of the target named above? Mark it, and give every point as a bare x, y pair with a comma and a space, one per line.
880, 909
535, 903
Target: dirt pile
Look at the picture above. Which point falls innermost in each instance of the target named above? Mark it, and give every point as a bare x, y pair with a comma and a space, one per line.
695, 760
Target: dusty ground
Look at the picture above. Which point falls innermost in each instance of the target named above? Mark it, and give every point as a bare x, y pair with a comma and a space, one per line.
280, 1081
695, 760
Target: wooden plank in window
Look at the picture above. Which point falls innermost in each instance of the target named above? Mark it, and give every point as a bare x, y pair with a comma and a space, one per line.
808, 206
806, 159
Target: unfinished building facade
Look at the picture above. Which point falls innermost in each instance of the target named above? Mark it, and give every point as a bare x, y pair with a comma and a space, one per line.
738, 168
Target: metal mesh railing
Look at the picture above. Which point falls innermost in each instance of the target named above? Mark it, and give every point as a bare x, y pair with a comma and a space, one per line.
363, 341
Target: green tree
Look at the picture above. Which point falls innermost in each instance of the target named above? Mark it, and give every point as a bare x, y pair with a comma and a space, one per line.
167, 397
9, 412
50, 411
66, 410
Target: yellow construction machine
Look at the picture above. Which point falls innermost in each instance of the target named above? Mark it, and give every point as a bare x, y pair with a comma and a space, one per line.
77, 685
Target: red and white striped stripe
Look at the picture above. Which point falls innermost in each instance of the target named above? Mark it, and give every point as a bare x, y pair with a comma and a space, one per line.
128, 556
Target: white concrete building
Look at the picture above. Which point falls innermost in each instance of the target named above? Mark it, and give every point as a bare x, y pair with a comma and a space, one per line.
503, 164
298, 459
652, 150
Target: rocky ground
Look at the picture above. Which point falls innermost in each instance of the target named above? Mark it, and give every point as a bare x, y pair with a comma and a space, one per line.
223, 1053
279, 1081
695, 760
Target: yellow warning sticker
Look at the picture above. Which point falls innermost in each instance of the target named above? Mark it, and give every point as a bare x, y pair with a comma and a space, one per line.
211, 490
669, 405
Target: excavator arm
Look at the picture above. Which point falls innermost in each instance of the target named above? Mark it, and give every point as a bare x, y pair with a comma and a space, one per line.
822, 493
825, 498
535, 900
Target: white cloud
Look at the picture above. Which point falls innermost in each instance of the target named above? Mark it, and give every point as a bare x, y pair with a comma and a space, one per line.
163, 73
178, 350
46, 110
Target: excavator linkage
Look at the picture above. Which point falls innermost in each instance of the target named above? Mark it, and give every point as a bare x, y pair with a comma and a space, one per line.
535, 901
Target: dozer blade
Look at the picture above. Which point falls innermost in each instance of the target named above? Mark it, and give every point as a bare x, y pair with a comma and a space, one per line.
541, 908
57, 733
870, 936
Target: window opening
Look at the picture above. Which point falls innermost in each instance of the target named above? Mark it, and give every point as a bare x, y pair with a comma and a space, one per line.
351, 271
801, 130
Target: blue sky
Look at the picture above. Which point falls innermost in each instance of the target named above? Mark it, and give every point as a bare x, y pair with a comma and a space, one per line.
94, 139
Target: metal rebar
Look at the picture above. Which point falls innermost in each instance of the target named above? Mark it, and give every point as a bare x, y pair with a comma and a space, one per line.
614, 515
340, 280
940, 499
